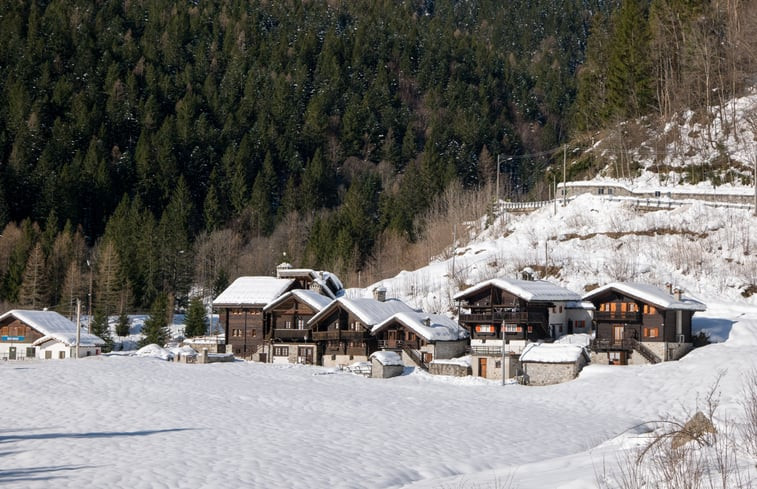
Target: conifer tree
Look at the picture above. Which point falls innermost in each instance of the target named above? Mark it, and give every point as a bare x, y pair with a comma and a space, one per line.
194, 321
99, 327
155, 329
33, 291
123, 325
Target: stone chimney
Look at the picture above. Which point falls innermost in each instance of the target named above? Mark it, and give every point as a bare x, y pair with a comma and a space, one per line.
669, 287
282, 267
427, 321
379, 293
677, 293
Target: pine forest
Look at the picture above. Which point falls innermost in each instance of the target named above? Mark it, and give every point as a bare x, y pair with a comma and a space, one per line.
153, 150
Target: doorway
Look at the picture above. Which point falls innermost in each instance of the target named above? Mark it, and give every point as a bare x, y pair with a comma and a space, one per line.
482, 367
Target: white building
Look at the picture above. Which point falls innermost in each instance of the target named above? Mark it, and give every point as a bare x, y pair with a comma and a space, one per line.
43, 334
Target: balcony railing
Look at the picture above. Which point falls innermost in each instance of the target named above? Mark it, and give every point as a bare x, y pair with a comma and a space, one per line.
626, 317
626, 344
339, 335
499, 316
291, 334
399, 344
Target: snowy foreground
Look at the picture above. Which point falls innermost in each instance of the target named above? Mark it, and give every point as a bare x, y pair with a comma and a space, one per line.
121, 421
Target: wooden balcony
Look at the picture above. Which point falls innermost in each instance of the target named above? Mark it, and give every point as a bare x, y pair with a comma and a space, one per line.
497, 317
339, 334
625, 317
399, 344
291, 334
626, 344
326, 335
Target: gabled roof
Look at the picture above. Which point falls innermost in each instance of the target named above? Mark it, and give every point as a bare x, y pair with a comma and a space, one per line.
53, 326
253, 291
387, 358
552, 353
312, 298
649, 294
431, 327
528, 290
369, 311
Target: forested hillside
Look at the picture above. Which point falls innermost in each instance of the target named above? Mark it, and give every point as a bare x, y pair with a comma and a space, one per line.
149, 145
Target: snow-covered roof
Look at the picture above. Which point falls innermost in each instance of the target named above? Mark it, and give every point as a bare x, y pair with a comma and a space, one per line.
312, 298
331, 284
552, 353
649, 294
369, 311
53, 326
253, 291
431, 327
387, 357
528, 290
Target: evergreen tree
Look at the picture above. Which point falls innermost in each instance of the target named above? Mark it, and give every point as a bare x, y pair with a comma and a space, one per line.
123, 325
195, 319
34, 292
100, 327
155, 329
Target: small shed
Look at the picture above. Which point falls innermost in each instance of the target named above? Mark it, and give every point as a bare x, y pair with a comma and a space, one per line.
386, 364
552, 363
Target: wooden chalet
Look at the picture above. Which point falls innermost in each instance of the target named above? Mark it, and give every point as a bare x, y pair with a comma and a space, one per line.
289, 334
240, 311
516, 311
421, 338
641, 323
342, 330
45, 335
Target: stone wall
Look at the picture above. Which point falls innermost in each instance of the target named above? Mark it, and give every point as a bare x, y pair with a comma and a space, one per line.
551, 373
449, 349
450, 369
381, 371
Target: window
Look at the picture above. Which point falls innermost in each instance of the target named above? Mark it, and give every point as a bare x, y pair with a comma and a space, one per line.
481, 328
498, 364
288, 324
649, 309
600, 191
560, 309
300, 324
30, 352
580, 324
281, 351
61, 355
530, 329
652, 332
511, 328
254, 333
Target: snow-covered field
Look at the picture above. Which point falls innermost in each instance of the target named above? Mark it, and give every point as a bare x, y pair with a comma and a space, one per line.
123, 421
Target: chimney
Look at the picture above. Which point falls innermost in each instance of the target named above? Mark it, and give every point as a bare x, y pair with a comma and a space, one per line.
677, 293
379, 293
669, 286
281, 267
427, 321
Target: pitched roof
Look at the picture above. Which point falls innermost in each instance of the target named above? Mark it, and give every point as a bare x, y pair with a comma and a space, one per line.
387, 357
53, 326
253, 291
369, 311
431, 327
552, 353
312, 298
331, 284
649, 294
528, 290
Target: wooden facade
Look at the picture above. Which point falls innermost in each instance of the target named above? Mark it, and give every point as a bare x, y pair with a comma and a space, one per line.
341, 333
290, 334
491, 309
627, 323
246, 331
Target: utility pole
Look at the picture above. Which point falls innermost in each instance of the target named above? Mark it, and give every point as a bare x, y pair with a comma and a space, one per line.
554, 193
89, 298
454, 248
497, 197
78, 326
564, 161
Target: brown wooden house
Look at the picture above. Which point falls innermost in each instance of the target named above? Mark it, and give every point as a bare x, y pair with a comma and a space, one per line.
641, 323
518, 311
290, 335
342, 329
421, 338
240, 311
